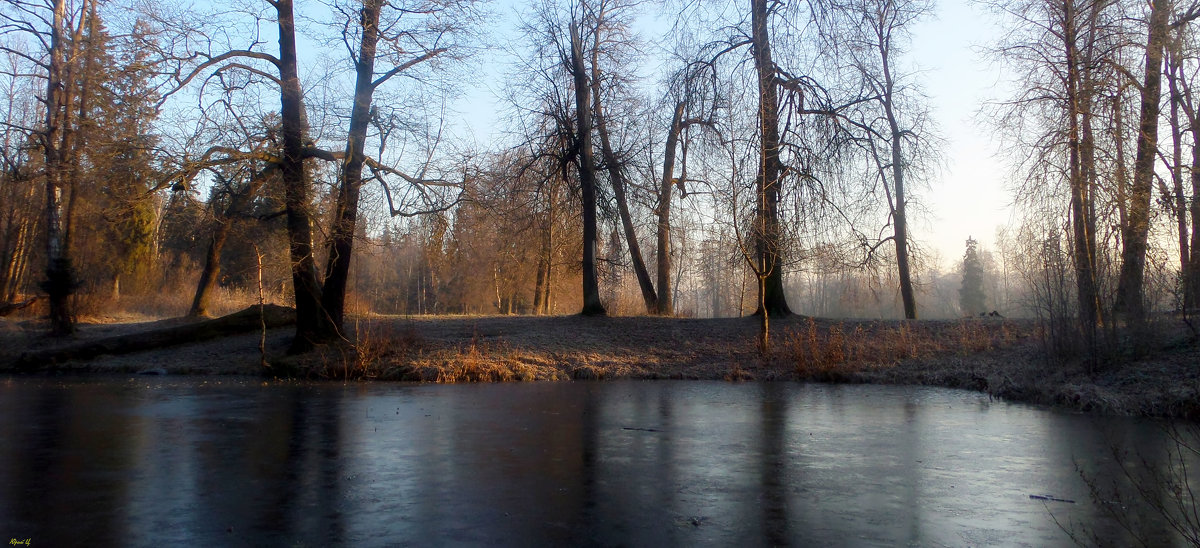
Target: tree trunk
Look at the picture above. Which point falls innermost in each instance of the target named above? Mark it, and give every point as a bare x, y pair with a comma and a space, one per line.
248, 320
312, 323
1087, 279
75, 133
341, 243
1191, 278
212, 269
1180, 204
548, 299
587, 178
649, 297
616, 174
899, 210
212, 259
60, 274
1121, 167
764, 324
540, 288
18, 236
768, 239
1080, 146
666, 304
1134, 235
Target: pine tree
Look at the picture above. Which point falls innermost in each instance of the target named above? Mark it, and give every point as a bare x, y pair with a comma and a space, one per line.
123, 154
970, 296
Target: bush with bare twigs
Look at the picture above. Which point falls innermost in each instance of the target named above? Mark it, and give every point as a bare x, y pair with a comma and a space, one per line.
1152, 481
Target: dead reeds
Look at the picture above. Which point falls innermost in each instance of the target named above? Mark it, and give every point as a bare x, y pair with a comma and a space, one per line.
832, 351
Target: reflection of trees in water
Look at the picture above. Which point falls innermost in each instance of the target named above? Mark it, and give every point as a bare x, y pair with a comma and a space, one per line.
304, 489
49, 480
773, 466
254, 465
565, 464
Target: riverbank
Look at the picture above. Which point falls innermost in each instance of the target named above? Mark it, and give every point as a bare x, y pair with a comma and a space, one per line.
996, 356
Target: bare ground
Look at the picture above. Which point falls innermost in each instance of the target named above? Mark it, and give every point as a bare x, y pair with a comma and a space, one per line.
999, 357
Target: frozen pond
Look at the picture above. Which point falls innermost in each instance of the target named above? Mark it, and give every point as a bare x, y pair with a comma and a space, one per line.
161, 461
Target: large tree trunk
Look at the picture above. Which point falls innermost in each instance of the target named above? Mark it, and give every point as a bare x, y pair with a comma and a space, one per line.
587, 178
666, 304
1134, 235
341, 243
768, 237
249, 320
60, 274
312, 323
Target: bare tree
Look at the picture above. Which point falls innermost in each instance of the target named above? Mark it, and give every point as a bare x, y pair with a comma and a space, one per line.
769, 181
560, 127
1070, 55
280, 70
587, 172
1181, 76
412, 33
236, 200
875, 32
692, 90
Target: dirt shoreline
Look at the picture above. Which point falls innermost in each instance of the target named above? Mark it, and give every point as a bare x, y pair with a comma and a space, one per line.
995, 356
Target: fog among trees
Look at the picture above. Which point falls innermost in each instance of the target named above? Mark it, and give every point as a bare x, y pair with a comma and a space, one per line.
730, 159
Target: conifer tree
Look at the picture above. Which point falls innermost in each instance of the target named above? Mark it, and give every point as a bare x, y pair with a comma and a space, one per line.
971, 299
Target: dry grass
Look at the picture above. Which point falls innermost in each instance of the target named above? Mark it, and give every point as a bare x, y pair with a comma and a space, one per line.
385, 350
833, 351
999, 357
504, 349
99, 306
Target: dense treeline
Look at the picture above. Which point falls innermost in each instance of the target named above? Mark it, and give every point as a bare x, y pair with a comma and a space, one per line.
757, 158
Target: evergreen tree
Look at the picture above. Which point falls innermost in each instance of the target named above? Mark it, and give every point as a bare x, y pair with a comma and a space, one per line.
122, 151
971, 299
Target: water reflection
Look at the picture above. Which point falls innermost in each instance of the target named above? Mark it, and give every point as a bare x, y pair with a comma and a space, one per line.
156, 462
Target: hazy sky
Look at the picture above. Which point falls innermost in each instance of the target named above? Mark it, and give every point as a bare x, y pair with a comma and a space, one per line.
968, 196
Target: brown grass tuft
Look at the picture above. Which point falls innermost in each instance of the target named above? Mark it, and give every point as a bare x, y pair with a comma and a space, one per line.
737, 374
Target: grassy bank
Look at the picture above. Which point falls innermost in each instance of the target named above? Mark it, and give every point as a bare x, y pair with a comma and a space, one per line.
996, 356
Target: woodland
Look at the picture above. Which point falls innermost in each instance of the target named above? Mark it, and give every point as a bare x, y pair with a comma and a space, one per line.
759, 158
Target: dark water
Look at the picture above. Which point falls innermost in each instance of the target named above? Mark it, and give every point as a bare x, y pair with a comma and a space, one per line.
166, 462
